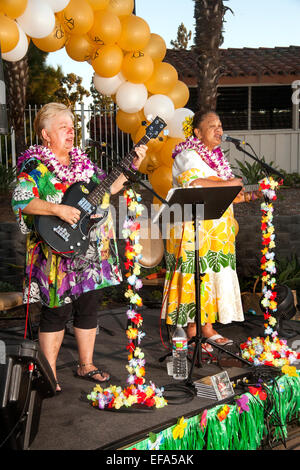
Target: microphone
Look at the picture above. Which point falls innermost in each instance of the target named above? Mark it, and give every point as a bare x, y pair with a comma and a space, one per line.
94, 143
227, 138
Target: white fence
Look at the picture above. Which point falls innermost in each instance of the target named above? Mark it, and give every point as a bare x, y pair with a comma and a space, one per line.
279, 146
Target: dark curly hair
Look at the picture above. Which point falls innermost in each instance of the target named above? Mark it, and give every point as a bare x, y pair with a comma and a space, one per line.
199, 117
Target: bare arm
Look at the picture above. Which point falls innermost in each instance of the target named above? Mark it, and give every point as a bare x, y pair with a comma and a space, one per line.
39, 207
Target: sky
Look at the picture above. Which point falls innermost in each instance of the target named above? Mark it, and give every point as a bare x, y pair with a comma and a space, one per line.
254, 23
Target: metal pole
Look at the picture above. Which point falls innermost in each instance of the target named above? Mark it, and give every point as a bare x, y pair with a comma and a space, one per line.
3, 111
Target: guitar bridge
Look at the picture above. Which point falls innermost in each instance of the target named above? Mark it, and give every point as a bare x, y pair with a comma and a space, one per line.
62, 232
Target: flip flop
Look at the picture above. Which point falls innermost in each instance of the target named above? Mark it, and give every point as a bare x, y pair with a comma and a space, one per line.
213, 339
205, 348
90, 376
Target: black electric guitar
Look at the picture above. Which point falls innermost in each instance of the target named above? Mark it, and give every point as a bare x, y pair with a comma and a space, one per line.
72, 240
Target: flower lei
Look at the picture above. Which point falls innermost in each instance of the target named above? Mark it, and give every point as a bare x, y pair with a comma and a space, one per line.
271, 352
80, 168
215, 159
137, 392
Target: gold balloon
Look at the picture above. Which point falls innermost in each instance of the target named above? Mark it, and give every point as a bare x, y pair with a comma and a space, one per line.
161, 180
106, 28
78, 17
9, 33
156, 47
13, 8
137, 67
179, 94
135, 33
165, 154
80, 48
163, 79
55, 41
129, 122
121, 7
108, 61
149, 163
98, 4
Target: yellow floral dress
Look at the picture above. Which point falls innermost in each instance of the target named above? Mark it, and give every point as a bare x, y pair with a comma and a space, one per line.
220, 292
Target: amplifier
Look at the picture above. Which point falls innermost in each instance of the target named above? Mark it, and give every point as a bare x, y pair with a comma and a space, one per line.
26, 378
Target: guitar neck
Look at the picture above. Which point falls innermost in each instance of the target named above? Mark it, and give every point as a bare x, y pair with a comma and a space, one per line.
97, 194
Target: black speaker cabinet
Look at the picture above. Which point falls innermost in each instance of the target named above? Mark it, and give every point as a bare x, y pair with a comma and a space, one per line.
25, 380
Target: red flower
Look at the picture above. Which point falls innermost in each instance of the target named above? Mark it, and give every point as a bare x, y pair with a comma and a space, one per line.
60, 187
130, 346
258, 391
35, 192
128, 264
150, 402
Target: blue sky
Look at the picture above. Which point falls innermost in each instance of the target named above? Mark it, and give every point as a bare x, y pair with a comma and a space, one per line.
255, 23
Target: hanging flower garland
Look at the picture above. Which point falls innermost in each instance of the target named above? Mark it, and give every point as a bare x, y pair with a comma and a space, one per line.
268, 187
137, 392
269, 350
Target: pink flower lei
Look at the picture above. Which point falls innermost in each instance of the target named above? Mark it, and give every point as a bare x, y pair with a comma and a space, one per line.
80, 168
215, 159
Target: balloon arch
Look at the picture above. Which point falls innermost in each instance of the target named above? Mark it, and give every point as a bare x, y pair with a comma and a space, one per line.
126, 58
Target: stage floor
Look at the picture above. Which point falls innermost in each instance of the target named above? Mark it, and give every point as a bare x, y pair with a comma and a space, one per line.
69, 422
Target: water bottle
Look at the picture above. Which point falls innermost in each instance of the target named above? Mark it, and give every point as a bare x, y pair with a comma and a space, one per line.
179, 354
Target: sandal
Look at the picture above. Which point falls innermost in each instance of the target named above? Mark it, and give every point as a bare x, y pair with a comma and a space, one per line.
214, 339
58, 390
90, 375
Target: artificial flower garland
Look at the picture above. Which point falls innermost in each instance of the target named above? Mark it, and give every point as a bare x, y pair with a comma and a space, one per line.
269, 350
137, 392
80, 168
215, 158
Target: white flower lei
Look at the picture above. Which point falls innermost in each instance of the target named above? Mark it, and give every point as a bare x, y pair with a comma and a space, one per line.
80, 168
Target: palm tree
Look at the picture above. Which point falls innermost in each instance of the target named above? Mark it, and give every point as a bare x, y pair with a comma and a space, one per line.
209, 16
16, 78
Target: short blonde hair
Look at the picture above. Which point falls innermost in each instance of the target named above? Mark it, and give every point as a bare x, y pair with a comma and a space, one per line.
46, 113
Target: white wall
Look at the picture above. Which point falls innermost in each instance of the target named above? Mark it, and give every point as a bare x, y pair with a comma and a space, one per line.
279, 146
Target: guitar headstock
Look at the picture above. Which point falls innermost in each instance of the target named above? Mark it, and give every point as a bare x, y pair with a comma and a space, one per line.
155, 128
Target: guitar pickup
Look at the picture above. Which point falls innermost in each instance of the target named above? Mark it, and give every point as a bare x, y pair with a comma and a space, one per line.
85, 205
62, 232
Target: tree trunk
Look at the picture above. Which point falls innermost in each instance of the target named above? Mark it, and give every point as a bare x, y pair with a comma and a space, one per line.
209, 16
16, 79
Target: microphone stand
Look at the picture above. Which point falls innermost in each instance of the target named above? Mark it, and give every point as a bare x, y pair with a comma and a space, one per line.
267, 168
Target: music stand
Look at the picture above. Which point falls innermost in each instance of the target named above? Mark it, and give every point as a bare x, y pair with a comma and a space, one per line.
214, 201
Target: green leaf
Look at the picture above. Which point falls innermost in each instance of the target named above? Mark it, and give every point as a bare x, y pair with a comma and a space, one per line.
216, 260
188, 266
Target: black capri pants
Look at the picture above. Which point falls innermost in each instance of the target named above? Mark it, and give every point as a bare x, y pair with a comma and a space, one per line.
84, 309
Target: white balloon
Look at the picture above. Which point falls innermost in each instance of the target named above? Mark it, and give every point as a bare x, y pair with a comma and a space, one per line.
175, 124
58, 5
159, 105
18, 52
38, 19
131, 97
108, 86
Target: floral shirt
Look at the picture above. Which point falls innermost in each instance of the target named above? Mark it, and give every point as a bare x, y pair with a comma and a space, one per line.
49, 277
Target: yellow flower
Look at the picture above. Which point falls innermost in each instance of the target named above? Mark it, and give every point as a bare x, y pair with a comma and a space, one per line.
178, 431
290, 371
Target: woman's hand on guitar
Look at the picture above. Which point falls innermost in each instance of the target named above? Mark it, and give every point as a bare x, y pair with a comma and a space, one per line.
140, 151
68, 214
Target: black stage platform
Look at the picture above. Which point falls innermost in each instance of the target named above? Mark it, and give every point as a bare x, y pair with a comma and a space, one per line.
69, 422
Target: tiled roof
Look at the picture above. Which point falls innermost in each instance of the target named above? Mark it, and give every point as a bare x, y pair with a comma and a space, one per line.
245, 62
